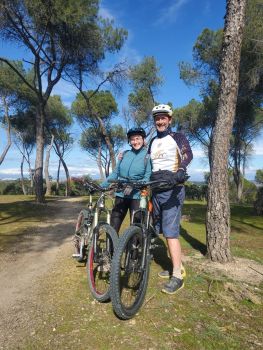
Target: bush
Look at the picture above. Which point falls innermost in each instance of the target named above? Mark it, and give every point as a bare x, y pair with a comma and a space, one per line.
249, 192
13, 187
194, 191
258, 204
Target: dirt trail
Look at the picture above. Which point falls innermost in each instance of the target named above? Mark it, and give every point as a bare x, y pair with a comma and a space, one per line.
24, 267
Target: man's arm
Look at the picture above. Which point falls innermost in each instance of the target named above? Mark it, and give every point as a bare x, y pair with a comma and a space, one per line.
185, 149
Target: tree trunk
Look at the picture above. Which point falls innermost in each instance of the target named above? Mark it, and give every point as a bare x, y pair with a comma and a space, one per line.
68, 186
99, 162
22, 176
218, 210
58, 174
38, 175
8, 132
108, 142
48, 182
238, 179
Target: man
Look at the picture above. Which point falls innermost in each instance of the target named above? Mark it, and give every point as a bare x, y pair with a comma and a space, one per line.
170, 155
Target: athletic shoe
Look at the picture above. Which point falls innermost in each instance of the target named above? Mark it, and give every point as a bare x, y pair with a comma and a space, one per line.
173, 286
167, 274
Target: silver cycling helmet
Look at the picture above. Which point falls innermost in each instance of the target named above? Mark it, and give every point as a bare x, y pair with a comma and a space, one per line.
162, 109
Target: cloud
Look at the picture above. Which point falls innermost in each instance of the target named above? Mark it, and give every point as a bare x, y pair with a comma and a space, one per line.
199, 170
207, 8
66, 90
198, 153
258, 150
105, 13
11, 171
170, 13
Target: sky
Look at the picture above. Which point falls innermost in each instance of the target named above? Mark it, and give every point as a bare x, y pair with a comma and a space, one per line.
165, 29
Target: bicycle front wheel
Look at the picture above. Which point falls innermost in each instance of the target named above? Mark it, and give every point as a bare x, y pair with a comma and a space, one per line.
98, 265
129, 275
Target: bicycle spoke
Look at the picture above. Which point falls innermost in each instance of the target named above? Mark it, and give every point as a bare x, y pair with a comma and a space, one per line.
99, 262
131, 272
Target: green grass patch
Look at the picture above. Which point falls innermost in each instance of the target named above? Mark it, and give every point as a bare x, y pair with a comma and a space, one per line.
204, 315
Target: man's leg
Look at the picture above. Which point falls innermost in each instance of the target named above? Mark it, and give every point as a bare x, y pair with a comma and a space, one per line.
174, 248
171, 214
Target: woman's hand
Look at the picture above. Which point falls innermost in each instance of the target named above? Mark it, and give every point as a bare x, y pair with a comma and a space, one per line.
120, 156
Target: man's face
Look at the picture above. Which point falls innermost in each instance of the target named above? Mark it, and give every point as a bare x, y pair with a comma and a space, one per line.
136, 141
162, 122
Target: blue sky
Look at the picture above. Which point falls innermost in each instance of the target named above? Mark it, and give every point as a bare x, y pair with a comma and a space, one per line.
165, 29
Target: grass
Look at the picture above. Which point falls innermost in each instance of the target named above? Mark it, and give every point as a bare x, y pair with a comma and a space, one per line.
20, 215
204, 315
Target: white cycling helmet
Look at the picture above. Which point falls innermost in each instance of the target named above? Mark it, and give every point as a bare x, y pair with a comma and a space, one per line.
162, 109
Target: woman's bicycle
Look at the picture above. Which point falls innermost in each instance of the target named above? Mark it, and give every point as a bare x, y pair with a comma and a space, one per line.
131, 260
95, 241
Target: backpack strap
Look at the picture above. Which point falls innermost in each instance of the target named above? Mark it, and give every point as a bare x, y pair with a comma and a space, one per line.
150, 145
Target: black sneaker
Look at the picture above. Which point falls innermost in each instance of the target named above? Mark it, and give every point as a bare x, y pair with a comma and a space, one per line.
173, 286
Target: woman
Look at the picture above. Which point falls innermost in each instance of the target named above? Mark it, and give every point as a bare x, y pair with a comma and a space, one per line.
134, 165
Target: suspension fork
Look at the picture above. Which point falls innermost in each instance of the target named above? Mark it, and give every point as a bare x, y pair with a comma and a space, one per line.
94, 229
146, 243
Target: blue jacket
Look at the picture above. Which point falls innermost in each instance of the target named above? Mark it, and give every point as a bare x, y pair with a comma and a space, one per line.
135, 165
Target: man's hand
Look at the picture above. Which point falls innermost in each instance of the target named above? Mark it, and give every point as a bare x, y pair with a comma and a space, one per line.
180, 176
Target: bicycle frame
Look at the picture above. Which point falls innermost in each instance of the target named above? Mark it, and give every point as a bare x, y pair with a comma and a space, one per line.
91, 217
147, 231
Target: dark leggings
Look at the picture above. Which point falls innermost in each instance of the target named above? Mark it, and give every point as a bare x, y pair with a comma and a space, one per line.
120, 209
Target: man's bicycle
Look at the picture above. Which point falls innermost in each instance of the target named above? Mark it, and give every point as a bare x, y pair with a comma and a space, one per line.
95, 241
131, 260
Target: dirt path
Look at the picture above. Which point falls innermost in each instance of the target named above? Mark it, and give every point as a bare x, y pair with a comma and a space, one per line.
23, 269
36, 279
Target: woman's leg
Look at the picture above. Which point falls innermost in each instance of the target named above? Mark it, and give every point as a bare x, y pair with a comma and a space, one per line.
119, 212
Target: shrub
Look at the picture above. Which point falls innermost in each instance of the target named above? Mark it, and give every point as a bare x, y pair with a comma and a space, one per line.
258, 204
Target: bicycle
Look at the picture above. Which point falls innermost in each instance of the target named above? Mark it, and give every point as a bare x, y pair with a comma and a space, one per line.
131, 260
95, 241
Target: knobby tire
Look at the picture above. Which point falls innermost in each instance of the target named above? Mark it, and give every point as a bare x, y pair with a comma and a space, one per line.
99, 264
128, 281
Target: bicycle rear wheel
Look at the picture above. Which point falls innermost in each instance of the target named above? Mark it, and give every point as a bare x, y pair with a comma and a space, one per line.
99, 261
79, 237
129, 278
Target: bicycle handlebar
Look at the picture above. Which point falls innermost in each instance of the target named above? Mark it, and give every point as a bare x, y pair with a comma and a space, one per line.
94, 187
157, 184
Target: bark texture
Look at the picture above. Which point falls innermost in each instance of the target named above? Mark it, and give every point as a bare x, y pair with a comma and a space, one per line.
48, 182
8, 132
38, 175
60, 154
22, 176
218, 211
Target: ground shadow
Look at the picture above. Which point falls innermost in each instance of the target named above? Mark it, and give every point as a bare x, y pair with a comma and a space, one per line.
194, 243
160, 255
36, 238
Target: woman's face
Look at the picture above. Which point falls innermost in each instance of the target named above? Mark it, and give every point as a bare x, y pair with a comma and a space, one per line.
136, 141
